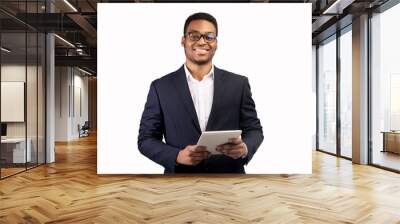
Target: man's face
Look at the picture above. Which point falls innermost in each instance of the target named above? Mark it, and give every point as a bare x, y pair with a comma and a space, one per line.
202, 51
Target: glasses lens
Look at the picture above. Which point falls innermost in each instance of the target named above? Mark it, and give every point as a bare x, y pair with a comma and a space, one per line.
210, 37
195, 36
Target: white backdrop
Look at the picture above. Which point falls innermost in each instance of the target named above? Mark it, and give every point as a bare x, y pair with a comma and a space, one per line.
268, 43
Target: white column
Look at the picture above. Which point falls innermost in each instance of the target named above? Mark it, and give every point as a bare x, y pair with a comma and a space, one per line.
50, 92
360, 90
50, 100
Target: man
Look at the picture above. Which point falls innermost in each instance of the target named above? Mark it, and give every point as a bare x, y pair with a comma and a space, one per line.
199, 97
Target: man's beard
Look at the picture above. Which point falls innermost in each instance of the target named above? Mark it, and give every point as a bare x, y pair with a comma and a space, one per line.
202, 62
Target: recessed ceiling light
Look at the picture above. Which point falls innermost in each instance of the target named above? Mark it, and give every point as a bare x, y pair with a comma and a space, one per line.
64, 40
70, 5
5, 50
84, 71
337, 7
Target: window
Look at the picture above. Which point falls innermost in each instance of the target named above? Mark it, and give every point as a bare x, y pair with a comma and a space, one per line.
385, 88
346, 92
327, 96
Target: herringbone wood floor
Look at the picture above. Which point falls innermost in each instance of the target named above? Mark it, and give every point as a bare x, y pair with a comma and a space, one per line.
70, 191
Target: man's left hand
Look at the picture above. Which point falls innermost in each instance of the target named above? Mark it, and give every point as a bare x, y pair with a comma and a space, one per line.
235, 149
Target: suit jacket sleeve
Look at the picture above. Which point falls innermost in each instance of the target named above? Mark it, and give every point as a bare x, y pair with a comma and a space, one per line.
151, 133
252, 134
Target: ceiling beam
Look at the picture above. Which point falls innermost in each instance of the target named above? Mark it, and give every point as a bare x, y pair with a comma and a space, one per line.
83, 23
337, 6
85, 61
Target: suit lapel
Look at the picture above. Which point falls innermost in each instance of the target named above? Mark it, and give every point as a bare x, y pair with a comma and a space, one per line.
217, 97
184, 92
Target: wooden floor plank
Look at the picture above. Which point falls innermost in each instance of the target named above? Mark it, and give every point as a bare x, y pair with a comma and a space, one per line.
70, 191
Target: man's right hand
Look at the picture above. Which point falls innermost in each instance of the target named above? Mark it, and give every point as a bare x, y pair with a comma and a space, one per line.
192, 155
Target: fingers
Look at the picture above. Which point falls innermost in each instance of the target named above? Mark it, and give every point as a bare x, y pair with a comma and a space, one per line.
197, 154
198, 151
232, 144
197, 148
202, 155
192, 155
235, 141
234, 153
196, 159
229, 147
231, 150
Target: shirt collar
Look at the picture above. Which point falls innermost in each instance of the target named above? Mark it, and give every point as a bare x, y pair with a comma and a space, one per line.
190, 77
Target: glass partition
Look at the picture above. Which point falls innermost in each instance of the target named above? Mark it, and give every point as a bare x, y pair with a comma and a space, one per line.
41, 109
327, 96
14, 153
32, 95
346, 93
22, 67
385, 89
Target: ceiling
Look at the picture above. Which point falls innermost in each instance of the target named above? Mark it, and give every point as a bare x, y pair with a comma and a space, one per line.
76, 22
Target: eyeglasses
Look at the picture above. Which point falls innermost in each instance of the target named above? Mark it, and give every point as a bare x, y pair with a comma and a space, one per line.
196, 36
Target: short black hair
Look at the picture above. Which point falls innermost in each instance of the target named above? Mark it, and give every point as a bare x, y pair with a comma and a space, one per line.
200, 16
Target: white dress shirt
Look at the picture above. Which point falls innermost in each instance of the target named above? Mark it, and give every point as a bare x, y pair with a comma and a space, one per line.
202, 95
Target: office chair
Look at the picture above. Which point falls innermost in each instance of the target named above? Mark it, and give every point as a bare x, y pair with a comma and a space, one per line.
84, 130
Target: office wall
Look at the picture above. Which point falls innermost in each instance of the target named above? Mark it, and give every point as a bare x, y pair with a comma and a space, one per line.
15, 72
71, 102
61, 103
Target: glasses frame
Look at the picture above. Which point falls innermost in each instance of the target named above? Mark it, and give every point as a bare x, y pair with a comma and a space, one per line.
188, 35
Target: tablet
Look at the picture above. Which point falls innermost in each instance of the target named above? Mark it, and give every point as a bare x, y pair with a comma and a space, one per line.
211, 139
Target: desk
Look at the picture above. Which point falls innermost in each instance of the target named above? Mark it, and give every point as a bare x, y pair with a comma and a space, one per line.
15, 148
391, 141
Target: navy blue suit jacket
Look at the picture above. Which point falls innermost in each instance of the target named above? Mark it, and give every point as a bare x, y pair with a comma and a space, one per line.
169, 113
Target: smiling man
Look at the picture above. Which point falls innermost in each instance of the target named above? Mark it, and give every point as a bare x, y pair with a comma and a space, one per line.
199, 97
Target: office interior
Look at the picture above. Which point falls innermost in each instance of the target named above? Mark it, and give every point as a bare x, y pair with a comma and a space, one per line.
46, 81
48, 93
